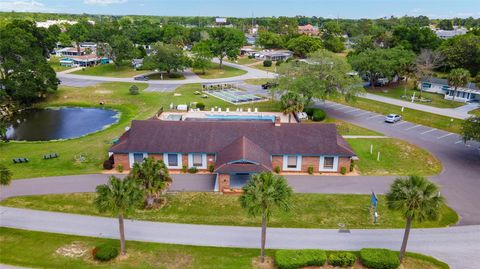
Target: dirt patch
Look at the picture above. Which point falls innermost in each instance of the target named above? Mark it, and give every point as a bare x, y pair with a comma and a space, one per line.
103, 91
269, 263
168, 259
74, 250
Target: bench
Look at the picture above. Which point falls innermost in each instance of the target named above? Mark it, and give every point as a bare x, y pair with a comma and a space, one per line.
50, 156
20, 160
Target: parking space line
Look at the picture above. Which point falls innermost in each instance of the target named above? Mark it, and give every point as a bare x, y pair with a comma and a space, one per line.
332, 105
364, 113
426, 132
400, 123
352, 110
440, 137
459, 141
410, 128
375, 116
342, 108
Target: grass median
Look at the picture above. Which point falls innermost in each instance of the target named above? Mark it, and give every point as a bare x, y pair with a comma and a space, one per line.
109, 70
308, 210
50, 250
214, 71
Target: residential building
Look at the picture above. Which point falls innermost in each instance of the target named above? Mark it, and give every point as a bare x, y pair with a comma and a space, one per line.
83, 60
446, 34
274, 55
308, 30
468, 93
71, 51
234, 150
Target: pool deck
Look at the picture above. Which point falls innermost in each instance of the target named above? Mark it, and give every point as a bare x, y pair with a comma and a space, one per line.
203, 114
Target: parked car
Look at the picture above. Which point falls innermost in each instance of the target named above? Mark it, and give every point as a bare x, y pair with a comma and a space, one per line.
141, 78
392, 118
269, 85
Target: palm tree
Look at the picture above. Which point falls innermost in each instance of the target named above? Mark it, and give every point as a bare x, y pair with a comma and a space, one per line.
417, 198
291, 102
119, 197
5, 176
153, 176
458, 78
261, 195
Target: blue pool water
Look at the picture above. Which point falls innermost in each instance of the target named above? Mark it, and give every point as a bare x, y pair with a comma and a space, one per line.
240, 118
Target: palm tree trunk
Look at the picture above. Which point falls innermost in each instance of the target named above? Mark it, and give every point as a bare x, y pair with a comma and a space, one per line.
405, 238
122, 234
454, 93
289, 117
150, 201
264, 238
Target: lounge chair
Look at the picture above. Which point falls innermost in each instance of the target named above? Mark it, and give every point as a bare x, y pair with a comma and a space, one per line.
227, 110
20, 160
256, 109
212, 109
249, 110
50, 156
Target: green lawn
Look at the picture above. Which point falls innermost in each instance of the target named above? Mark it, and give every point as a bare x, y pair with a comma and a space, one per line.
214, 71
345, 128
416, 116
94, 146
46, 250
257, 81
437, 100
54, 62
270, 69
244, 61
475, 112
308, 210
109, 70
397, 157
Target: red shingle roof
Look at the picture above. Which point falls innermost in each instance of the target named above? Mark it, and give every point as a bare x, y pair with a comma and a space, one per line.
243, 150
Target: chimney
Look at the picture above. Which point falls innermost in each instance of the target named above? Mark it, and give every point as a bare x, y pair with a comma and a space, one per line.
277, 121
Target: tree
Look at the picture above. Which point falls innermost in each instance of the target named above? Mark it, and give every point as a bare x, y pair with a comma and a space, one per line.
462, 52
78, 32
426, 62
119, 197
334, 44
303, 45
445, 24
202, 55
24, 70
167, 58
362, 44
471, 129
64, 39
119, 48
458, 78
226, 42
324, 75
417, 199
269, 40
262, 194
5, 176
3, 131
292, 102
415, 38
154, 178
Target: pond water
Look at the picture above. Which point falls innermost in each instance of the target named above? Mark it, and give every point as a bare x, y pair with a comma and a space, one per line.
59, 123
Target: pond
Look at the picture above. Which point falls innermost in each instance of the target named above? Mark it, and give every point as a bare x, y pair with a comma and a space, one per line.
59, 123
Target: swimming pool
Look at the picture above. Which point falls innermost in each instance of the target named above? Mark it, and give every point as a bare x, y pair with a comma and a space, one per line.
174, 117
240, 117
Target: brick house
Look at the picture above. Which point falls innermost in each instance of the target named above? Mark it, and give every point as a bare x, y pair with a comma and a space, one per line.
235, 149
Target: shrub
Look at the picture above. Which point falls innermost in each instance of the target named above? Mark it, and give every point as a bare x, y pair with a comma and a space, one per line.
279, 62
352, 165
310, 170
318, 115
175, 75
267, 63
293, 259
133, 90
309, 111
192, 170
343, 170
342, 259
107, 165
120, 168
211, 168
277, 169
377, 258
184, 168
200, 106
105, 253
250, 57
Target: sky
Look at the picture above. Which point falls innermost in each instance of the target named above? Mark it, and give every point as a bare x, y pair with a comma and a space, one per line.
258, 8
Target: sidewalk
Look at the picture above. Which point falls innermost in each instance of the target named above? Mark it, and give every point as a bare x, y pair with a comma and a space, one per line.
448, 112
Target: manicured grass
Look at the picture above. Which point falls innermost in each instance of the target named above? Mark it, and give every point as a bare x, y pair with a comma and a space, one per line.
37, 249
244, 61
270, 69
54, 62
308, 210
109, 70
416, 116
475, 112
257, 81
216, 72
397, 157
345, 128
437, 100
95, 146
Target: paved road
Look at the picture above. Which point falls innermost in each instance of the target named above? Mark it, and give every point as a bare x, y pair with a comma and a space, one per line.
458, 246
460, 179
449, 112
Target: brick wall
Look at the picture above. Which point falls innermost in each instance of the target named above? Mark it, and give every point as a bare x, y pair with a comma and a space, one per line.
121, 159
344, 162
309, 161
223, 181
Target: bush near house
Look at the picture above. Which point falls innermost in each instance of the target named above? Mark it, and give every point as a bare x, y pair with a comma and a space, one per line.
377, 258
310, 170
343, 170
211, 168
200, 106
277, 169
293, 259
105, 252
107, 164
267, 63
318, 115
192, 170
342, 259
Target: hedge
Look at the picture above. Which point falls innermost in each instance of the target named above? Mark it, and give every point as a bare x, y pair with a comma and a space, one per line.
105, 253
316, 114
378, 258
293, 259
267, 63
342, 259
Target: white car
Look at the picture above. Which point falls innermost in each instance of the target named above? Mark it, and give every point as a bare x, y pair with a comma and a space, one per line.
392, 118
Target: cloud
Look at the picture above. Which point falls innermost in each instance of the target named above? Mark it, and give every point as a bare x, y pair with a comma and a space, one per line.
24, 6
103, 2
